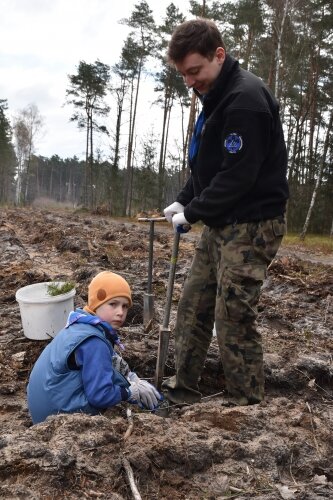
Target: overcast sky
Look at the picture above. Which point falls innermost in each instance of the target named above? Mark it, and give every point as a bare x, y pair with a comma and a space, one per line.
42, 42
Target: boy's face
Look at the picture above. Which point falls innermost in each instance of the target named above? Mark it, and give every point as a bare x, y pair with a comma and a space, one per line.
114, 311
199, 72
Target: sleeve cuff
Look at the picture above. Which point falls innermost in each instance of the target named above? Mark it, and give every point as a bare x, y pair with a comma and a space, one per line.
188, 217
125, 393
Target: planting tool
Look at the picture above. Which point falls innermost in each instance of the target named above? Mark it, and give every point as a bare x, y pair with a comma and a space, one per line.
164, 332
148, 298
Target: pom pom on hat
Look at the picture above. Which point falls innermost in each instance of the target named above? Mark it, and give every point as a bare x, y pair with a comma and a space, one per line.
106, 286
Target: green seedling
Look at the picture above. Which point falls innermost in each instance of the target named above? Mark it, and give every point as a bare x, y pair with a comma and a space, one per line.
54, 289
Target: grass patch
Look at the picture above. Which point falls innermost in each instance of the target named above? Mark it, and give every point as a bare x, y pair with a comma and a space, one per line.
312, 242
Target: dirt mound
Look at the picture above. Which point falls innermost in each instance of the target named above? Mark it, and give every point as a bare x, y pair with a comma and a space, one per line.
281, 448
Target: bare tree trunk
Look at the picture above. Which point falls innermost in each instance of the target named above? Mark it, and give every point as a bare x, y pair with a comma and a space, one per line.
18, 188
28, 170
86, 167
118, 125
130, 143
185, 139
313, 97
278, 49
191, 121
160, 162
91, 166
248, 49
51, 183
115, 164
129, 152
166, 135
130, 199
315, 191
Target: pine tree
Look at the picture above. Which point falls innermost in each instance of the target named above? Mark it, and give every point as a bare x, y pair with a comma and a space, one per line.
171, 85
87, 92
141, 45
7, 155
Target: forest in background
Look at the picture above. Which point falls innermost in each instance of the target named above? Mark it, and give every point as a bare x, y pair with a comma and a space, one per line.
288, 43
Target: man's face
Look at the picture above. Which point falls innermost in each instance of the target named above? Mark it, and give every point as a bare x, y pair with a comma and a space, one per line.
114, 311
199, 72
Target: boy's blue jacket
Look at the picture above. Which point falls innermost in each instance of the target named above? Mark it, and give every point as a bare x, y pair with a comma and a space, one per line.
55, 388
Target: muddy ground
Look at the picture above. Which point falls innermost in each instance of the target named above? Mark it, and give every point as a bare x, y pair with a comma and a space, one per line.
282, 448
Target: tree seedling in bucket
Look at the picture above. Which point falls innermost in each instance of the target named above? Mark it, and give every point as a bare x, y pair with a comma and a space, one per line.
55, 288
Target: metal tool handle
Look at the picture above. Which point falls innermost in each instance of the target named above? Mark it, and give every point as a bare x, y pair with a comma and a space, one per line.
148, 298
164, 333
149, 219
150, 257
152, 221
172, 272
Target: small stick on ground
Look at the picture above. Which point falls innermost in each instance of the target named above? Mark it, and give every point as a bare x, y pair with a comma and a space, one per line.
130, 478
130, 424
290, 465
313, 428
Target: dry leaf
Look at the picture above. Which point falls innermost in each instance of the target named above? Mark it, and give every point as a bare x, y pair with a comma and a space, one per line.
286, 492
319, 479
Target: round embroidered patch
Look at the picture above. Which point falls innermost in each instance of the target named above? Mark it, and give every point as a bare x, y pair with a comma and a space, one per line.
233, 143
101, 294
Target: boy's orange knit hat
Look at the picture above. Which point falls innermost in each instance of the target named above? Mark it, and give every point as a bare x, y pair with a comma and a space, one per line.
104, 287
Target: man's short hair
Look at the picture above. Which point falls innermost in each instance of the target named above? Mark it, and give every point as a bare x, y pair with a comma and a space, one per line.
197, 35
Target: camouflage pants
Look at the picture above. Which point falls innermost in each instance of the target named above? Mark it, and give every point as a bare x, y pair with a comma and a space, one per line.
223, 285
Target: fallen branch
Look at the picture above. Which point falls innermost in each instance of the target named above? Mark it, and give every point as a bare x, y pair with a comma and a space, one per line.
130, 478
206, 398
130, 424
292, 278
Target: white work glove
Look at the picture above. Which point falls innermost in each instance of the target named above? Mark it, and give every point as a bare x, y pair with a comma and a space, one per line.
180, 220
147, 397
171, 210
132, 377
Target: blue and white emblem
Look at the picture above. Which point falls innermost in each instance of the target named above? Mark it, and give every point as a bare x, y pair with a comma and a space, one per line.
233, 143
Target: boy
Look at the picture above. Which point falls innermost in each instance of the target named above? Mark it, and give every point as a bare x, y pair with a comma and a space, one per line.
79, 370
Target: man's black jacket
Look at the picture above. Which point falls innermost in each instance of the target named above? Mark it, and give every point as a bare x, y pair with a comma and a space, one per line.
239, 173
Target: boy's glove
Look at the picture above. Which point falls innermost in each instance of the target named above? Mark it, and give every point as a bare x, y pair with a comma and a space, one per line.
132, 377
148, 397
171, 210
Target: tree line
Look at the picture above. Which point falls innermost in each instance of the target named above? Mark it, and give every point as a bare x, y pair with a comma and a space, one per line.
288, 43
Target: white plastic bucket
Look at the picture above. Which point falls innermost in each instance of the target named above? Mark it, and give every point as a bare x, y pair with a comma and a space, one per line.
43, 315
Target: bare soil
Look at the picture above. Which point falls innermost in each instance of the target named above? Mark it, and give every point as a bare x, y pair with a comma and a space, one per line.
281, 448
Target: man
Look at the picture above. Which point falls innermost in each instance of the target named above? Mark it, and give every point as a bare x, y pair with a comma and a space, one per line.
238, 189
